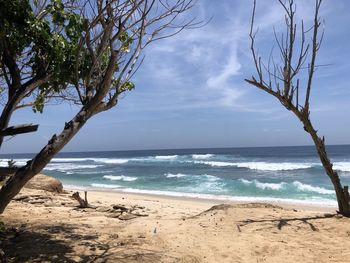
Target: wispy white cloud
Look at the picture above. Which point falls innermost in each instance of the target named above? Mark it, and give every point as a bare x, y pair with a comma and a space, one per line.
206, 67
210, 56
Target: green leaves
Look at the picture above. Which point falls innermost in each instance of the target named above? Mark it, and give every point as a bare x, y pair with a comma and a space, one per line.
76, 25
127, 86
56, 8
53, 43
39, 103
126, 41
51, 40
124, 37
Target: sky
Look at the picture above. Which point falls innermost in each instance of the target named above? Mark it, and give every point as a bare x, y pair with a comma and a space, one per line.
190, 90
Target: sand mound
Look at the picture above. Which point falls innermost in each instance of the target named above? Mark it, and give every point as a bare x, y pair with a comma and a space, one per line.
44, 182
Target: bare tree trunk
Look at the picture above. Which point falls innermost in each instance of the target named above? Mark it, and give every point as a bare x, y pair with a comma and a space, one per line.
272, 76
341, 193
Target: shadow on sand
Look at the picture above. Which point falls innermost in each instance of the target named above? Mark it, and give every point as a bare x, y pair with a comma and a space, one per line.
281, 222
58, 243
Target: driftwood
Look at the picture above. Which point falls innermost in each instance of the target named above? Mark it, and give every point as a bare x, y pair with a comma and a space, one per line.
123, 212
83, 203
121, 208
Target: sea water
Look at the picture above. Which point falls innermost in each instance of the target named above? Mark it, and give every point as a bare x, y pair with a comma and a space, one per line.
291, 174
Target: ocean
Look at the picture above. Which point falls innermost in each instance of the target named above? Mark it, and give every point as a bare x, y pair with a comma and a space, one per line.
289, 174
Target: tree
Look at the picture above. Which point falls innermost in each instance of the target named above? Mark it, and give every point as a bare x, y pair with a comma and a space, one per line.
81, 51
284, 81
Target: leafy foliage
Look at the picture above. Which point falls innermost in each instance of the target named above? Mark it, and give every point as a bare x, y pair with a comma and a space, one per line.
51, 41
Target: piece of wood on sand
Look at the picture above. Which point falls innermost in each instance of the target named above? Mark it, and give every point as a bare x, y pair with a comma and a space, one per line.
83, 203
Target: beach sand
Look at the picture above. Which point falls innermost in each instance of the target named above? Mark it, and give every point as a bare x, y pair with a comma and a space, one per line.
49, 227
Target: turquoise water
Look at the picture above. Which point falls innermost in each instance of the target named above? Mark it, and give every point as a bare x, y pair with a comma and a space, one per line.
292, 174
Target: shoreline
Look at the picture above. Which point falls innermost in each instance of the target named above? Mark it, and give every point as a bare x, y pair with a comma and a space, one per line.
210, 199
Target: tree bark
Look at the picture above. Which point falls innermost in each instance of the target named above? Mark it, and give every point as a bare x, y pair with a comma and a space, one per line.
34, 166
342, 194
19, 129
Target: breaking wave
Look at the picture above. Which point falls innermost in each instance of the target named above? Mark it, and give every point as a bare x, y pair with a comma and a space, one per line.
69, 160
120, 178
298, 186
272, 186
342, 166
110, 160
202, 156
309, 188
166, 157
69, 166
169, 175
109, 186
216, 163
263, 166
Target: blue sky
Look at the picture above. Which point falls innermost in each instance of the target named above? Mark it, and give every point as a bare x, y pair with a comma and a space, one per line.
190, 91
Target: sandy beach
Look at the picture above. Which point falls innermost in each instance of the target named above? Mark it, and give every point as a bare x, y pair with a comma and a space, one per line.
47, 227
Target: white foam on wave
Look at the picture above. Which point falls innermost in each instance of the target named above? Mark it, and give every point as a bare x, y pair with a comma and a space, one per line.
199, 177
202, 156
179, 175
18, 162
309, 188
97, 160
69, 160
109, 186
342, 166
120, 178
69, 166
216, 163
204, 183
311, 201
209, 177
278, 186
273, 166
110, 160
272, 186
264, 166
166, 157
90, 172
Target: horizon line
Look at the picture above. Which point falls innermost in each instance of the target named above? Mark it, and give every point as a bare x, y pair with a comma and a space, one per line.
169, 149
